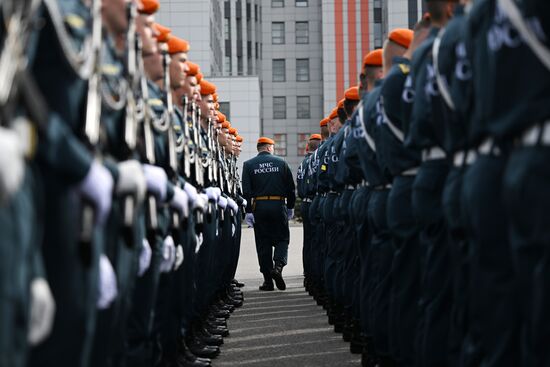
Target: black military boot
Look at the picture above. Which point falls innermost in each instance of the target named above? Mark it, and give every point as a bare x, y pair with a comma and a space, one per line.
277, 275
268, 284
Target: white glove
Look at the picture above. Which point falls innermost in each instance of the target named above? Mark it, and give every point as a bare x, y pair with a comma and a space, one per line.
249, 219
290, 213
131, 179
213, 193
42, 311
157, 180
233, 205
107, 283
245, 203
144, 257
97, 187
180, 202
222, 202
179, 257
168, 255
12, 163
191, 192
201, 203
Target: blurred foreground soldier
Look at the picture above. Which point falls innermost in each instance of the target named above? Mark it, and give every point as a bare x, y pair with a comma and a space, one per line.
268, 187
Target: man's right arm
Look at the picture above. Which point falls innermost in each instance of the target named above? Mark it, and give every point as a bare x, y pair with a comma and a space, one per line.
247, 188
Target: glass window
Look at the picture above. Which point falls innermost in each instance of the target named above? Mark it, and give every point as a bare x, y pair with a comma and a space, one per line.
228, 65
239, 65
277, 3
227, 28
302, 70
278, 33
225, 108
279, 72
280, 144
279, 108
303, 139
302, 32
302, 107
301, 3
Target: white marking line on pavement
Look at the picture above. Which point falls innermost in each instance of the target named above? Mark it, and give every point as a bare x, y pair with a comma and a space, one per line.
239, 316
281, 318
245, 309
270, 346
263, 360
282, 333
281, 295
278, 300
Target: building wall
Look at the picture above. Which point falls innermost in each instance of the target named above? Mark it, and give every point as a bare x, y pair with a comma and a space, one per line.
347, 38
243, 96
291, 127
200, 23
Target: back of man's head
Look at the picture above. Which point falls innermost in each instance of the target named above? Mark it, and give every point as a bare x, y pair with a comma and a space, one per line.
312, 145
440, 11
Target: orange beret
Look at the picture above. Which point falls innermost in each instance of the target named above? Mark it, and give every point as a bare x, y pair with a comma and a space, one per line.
264, 140
221, 117
149, 7
193, 68
402, 36
177, 45
225, 125
315, 137
163, 33
239, 138
216, 97
352, 94
207, 88
199, 77
333, 114
324, 122
373, 58
233, 131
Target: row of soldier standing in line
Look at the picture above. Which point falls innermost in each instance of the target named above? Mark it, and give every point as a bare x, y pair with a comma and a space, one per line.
120, 202
427, 237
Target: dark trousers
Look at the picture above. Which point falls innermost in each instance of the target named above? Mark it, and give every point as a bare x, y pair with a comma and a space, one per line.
318, 242
435, 301
72, 281
405, 270
381, 253
306, 249
526, 196
271, 232
203, 265
495, 301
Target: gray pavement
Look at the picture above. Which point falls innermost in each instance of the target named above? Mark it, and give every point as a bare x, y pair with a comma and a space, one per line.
280, 328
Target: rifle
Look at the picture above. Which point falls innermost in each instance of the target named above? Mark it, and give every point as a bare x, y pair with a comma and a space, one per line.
199, 172
92, 127
148, 145
131, 117
172, 148
187, 139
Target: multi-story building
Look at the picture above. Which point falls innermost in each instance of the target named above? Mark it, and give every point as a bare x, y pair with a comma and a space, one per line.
282, 65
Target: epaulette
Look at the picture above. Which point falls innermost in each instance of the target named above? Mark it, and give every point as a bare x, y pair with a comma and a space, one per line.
405, 69
75, 21
110, 69
155, 102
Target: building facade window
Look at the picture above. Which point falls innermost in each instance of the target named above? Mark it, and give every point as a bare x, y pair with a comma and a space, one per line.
225, 108
279, 108
303, 107
239, 65
302, 33
280, 144
279, 70
303, 139
278, 33
228, 65
301, 3
277, 3
302, 70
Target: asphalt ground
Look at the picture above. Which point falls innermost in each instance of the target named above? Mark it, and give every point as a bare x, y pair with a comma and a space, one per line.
280, 328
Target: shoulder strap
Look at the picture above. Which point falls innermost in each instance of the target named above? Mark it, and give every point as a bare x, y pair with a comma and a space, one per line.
368, 138
517, 19
441, 82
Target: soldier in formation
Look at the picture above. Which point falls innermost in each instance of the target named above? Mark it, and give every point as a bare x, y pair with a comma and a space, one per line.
120, 201
426, 239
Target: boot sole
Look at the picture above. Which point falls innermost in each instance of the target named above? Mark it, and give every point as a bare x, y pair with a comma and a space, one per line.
279, 281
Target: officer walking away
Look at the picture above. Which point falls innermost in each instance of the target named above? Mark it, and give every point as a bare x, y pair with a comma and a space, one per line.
268, 188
